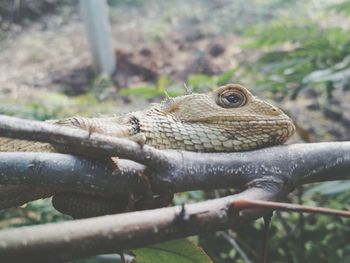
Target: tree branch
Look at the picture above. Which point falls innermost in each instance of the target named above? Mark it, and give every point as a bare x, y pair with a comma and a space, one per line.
55, 173
131, 230
298, 163
290, 165
266, 174
109, 234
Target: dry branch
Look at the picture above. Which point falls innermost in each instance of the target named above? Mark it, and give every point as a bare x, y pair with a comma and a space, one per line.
290, 165
131, 230
108, 234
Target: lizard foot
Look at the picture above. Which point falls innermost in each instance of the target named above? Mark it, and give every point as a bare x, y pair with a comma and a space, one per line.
139, 138
91, 129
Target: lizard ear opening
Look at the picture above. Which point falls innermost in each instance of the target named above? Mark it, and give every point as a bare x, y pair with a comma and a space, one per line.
231, 98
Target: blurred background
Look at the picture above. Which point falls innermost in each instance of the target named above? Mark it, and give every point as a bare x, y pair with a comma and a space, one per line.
293, 53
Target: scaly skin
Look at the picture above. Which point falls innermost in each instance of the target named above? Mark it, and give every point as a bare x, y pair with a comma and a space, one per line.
226, 120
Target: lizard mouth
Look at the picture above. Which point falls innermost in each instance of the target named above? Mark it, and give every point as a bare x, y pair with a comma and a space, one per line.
252, 121
281, 122
283, 128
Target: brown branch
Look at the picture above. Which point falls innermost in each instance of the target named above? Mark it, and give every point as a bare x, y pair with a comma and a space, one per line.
41, 175
246, 204
269, 174
230, 239
291, 165
131, 230
109, 234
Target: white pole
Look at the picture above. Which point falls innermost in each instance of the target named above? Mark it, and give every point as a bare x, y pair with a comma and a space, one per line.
95, 16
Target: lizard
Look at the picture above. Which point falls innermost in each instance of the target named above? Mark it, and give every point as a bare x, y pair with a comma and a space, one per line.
227, 119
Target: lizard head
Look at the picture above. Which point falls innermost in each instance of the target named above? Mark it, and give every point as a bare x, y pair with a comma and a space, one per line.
234, 107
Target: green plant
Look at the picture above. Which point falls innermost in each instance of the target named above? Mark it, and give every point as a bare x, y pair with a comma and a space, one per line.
204, 83
343, 8
293, 49
176, 251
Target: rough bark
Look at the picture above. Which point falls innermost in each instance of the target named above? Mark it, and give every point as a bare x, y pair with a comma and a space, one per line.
265, 174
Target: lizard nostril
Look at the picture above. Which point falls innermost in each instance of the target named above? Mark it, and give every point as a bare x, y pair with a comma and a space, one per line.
275, 111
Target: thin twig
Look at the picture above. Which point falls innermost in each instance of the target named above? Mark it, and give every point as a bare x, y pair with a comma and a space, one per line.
108, 234
301, 223
124, 231
289, 235
265, 238
236, 246
271, 173
246, 204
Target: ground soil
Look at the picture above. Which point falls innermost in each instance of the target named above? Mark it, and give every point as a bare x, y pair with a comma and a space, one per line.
44, 49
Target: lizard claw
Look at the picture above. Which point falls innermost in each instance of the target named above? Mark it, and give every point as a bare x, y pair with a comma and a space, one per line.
139, 138
91, 130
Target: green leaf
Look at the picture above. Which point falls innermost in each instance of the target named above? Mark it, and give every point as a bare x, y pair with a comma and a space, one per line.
162, 84
329, 188
201, 82
176, 251
343, 8
226, 77
281, 31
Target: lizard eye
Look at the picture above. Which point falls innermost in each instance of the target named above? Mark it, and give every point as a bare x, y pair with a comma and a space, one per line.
231, 99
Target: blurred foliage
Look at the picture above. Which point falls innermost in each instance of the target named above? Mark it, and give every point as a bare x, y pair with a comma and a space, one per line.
293, 238
147, 92
164, 87
117, 3
235, 17
329, 188
55, 105
343, 8
295, 47
295, 52
101, 86
205, 83
32, 213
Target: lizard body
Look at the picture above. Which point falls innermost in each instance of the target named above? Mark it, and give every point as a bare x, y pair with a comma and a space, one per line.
195, 122
227, 119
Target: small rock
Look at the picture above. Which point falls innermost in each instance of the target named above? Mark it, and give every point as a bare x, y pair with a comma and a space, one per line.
314, 106
216, 50
332, 113
145, 52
